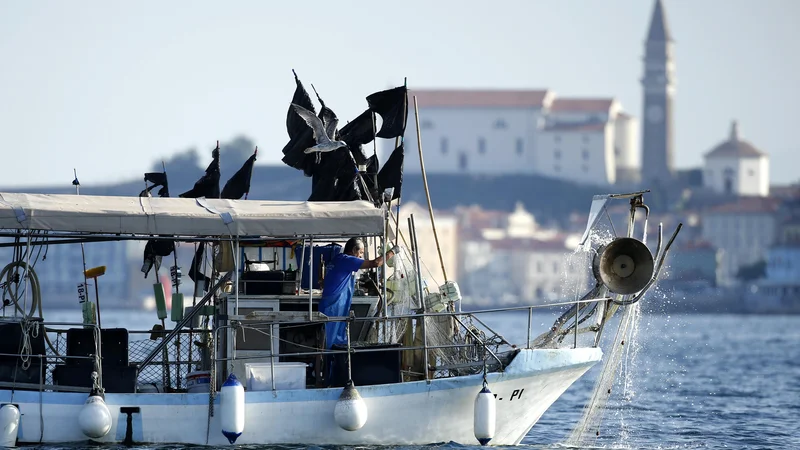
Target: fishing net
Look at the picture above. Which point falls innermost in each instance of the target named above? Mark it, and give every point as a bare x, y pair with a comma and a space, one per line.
587, 431
170, 368
455, 343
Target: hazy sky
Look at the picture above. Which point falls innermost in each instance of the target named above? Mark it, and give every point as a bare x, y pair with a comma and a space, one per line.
110, 86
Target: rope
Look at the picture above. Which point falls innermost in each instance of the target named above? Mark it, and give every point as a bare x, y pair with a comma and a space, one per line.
30, 329
11, 277
212, 383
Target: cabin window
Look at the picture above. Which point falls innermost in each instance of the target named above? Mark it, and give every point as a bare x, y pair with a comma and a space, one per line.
585, 138
520, 146
556, 138
557, 154
500, 124
427, 124
481, 146
557, 168
585, 154
443, 145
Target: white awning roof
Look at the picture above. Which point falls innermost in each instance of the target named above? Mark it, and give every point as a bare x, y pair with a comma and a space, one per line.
187, 216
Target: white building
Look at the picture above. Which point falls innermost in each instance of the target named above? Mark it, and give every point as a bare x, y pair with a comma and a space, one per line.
579, 139
626, 148
502, 132
517, 262
447, 231
743, 230
737, 167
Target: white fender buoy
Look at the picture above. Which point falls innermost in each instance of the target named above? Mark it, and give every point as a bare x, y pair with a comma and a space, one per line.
350, 411
485, 416
95, 418
9, 425
231, 400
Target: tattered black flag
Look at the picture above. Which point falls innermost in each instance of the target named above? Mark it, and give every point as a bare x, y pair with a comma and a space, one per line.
327, 116
239, 184
337, 179
158, 179
301, 136
391, 174
357, 133
392, 105
196, 273
208, 185
370, 175
155, 249
294, 123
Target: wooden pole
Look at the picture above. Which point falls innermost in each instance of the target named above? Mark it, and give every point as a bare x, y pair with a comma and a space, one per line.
427, 192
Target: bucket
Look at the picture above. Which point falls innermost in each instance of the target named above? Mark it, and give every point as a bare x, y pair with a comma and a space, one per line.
198, 381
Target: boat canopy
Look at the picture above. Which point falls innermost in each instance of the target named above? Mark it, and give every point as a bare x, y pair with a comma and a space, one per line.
187, 216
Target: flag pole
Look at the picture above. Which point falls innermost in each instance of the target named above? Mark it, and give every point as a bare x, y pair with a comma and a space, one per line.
77, 185
399, 140
427, 192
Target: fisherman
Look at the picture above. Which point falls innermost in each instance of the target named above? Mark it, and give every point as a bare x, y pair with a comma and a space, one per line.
340, 280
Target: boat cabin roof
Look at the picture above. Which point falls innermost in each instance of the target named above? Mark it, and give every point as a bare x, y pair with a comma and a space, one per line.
149, 216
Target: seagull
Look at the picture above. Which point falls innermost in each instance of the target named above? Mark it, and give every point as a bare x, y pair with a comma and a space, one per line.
323, 133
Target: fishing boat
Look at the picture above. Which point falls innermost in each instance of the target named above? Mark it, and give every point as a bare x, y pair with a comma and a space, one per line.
245, 362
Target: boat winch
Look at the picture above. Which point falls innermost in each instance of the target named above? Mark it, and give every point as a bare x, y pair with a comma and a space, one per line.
94, 418
350, 411
9, 425
231, 399
625, 265
485, 415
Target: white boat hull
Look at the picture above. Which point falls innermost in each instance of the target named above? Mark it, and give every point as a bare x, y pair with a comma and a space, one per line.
399, 414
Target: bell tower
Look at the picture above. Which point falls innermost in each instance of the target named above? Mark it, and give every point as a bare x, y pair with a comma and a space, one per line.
658, 88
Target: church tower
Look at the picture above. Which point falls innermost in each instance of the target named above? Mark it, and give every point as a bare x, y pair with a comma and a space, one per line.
658, 89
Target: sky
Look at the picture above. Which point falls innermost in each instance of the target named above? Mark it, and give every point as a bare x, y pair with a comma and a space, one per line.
110, 88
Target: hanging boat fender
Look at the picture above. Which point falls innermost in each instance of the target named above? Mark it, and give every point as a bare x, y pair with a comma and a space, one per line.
9, 425
94, 418
231, 399
350, 411
485, 415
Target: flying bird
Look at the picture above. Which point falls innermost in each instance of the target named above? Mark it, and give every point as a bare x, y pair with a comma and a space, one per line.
323, 132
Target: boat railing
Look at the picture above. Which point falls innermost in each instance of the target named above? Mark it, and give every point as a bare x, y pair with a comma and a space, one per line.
486, 342
469, 346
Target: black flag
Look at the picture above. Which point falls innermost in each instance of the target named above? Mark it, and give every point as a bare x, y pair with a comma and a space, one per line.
357, 133
195, 272
337, 179
391, 174
208, 185
326, 115
155, 249
239, 183
294, 123
158, 179
370, 174
393, 109
301, 136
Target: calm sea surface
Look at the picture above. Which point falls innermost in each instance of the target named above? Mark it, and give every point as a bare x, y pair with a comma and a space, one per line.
689, 381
